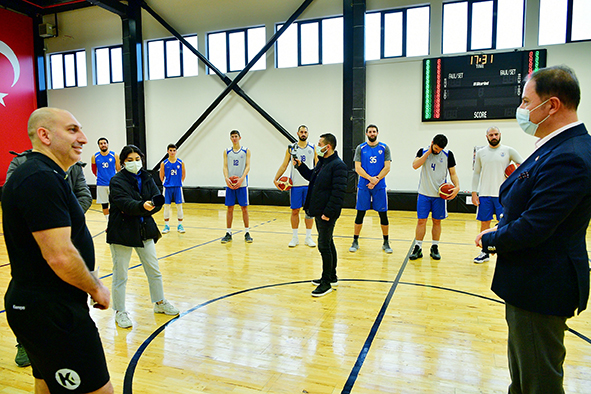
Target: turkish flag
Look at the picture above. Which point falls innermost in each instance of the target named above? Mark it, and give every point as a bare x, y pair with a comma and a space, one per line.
17, 85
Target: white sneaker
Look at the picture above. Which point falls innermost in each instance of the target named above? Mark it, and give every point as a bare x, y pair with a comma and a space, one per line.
122, 319
309, 242
294, 242
482, 258
166, 308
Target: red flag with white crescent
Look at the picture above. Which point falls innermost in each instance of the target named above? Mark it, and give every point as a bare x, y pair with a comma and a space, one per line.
17, 84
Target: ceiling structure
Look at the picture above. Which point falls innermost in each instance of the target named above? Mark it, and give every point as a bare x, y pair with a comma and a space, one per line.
43, 7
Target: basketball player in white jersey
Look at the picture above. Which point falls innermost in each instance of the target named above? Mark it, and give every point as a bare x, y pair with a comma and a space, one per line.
236, 163
297, 194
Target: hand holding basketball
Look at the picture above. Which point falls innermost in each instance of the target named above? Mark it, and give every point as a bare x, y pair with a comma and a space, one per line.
284, 183
234, 182
446, 191
510, 168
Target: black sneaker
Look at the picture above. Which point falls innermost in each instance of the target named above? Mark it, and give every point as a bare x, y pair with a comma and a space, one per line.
321, 290
316, 282
248, 238
435, 253
417, 253
227, 238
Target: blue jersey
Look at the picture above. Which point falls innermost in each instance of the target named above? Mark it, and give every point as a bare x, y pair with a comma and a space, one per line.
173, 173
106, 168
372, 159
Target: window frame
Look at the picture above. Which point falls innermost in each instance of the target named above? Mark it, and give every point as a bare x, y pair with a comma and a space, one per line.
244, 30
110, 48
570, 5
404, 38
165, 56
495, 4
74, 54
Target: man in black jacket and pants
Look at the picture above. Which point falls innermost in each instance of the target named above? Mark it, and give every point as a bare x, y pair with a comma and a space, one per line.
324, 201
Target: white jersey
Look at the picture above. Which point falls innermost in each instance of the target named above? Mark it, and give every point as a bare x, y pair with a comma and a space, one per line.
489, 169
305, 155
434, 171
237, 163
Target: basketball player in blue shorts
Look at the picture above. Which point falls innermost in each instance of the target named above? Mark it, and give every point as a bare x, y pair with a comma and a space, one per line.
236, 164
297, 194
172, 176
105, 164
489, 172
372, 163
435, 162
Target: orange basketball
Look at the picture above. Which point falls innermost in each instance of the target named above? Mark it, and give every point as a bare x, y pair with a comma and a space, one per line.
234, 179
509, 170
285, 183
445, 191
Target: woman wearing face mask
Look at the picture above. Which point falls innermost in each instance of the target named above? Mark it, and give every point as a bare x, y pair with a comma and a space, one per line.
131, 226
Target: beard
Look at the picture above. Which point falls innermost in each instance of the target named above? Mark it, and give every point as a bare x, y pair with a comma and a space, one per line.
104, 149
494, 142
303, 137
372, 139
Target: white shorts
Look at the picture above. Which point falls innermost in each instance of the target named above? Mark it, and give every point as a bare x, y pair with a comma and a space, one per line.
102, 194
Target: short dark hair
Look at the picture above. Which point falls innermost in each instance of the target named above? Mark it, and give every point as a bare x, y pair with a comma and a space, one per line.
372, 125
100, 139
127, 150
330, 140
558, 81
304, 126
440, 140
235, 132
171, 146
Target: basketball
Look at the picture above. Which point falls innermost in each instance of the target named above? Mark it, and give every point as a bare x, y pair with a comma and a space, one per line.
285, 183
509, 170
234, 179
445, 191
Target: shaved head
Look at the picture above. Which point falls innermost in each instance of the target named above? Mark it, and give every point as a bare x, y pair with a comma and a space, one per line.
42, 117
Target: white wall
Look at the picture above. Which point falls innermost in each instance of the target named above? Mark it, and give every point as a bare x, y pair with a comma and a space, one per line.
306, 95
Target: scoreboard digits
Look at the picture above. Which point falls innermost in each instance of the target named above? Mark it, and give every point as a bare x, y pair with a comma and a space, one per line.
479, 86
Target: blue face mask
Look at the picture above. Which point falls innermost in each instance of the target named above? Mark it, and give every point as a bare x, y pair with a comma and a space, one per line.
319, 150
522, 116
133, 166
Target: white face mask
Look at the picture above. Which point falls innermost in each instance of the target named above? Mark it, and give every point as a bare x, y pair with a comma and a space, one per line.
133, 166
319, 150
522, 116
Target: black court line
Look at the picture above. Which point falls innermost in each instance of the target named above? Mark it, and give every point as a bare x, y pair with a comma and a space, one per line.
129, 373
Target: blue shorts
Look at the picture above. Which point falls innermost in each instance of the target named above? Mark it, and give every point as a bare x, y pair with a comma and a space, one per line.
436, 205
240, 194
489, 206
173, 194
297, 196
374, 198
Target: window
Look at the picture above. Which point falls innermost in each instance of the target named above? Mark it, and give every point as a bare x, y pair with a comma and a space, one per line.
563, 21
232, 50
169, 58
68, 69
475, 25
108, 65
310, 42
396, 33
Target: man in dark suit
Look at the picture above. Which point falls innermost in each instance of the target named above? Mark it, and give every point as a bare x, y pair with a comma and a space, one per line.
542, 271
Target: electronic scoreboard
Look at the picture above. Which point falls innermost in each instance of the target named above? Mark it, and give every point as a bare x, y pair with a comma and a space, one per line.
478, 86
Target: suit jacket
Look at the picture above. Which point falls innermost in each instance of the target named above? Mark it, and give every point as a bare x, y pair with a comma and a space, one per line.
542, 263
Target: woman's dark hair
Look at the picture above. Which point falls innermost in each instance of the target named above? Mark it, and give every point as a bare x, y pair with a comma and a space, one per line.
130, 149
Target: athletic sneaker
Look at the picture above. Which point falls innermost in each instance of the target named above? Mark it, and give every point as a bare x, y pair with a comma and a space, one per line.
316, 282
122, 319
417, 253
22, 358
322, 289
386, 247
166, 308
354, 246
180, 228
248, 238
294, 242
483, 257
435, 253
227, 238
309, 242
166, 229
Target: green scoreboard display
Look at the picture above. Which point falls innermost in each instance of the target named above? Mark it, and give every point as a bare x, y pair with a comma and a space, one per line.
479, 86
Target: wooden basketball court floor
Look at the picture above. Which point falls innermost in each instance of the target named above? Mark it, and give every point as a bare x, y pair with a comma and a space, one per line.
248, 323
